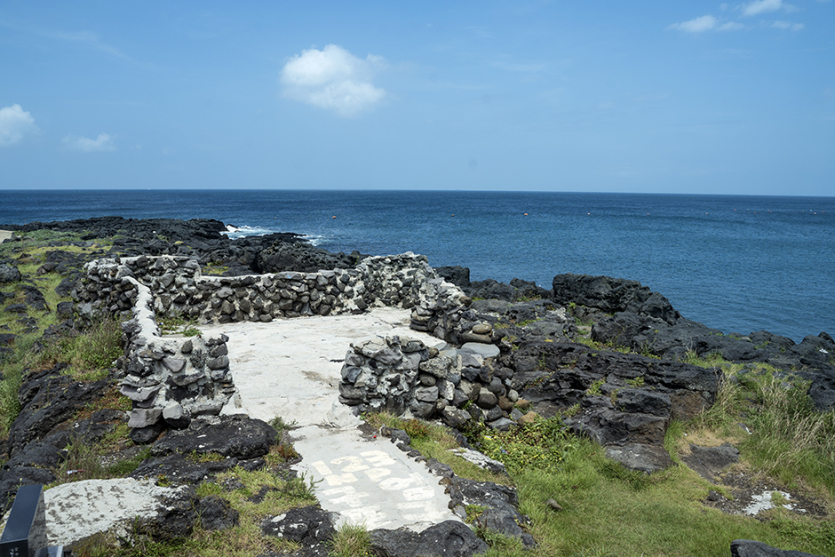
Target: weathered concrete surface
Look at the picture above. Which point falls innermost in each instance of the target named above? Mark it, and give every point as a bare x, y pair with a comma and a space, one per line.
5, 235
78, 510
291, 369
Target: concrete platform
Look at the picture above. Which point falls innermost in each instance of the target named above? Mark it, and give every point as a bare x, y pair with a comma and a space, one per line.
291, 368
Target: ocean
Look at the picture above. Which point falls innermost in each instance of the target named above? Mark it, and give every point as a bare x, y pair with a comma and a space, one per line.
736, 263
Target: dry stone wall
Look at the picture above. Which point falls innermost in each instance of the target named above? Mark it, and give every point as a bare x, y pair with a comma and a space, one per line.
172, 380
168, 380
179, 289
455, 384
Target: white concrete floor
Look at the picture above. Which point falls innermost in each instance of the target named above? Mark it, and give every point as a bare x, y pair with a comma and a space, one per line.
291, 369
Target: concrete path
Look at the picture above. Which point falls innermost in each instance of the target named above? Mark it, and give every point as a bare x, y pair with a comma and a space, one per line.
291, 368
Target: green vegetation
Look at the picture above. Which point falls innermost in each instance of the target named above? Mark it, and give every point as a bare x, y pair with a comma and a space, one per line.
594, 388
283, 450
351, 540
636, 382
177, 325
609, 510
214, 268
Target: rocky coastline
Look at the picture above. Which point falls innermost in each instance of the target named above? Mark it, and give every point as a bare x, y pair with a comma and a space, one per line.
608, 354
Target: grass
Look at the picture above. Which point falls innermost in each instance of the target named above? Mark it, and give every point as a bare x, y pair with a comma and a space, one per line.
351, 540
789, 439
87, 462
609, 510
172, 325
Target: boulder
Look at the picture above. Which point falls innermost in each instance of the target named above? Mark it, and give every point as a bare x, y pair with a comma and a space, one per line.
643, 458
710, 461
230, 435
216, 513
750, 548
311, 527
9, 273
612, 295
47, 399
449, 538
180, 470
301, 257
822, 390
501, 503
457, 275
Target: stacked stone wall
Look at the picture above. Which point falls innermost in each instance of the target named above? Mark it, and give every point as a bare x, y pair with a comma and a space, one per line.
399, 374
179, 289
171, 380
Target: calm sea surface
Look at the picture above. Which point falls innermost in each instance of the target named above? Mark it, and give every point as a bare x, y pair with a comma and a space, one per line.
737, 263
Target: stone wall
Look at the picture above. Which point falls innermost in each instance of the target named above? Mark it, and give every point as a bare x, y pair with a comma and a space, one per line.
455, 384
179, 289
171, 380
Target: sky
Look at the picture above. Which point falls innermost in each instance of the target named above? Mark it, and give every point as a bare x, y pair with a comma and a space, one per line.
647, 96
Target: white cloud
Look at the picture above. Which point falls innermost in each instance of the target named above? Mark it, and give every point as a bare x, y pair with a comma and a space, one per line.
14, 124
102, 143
696, 25
706, 23
761, 6
788, 25
333, 79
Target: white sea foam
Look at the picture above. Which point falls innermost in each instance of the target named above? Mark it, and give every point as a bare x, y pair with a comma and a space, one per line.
314, 239
241, 231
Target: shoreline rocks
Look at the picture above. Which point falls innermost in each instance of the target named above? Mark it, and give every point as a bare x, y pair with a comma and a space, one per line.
511, 348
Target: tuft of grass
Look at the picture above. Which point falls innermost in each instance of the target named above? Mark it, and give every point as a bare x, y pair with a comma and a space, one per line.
90, 462
283, 450
173, 325
416, 429
790, 439
351, 540
92, 353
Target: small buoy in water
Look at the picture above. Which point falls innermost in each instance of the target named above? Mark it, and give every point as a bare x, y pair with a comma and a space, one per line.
588, 213
333, 217
453, 215
526, 214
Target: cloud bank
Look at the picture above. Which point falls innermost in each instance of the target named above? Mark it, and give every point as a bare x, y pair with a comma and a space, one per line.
15, 123
102, 143
332, 79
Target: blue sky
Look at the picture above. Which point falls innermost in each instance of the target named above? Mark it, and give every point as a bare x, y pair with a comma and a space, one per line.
645, 96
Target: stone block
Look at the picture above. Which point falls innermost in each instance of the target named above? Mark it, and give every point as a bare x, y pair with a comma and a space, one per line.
144, 417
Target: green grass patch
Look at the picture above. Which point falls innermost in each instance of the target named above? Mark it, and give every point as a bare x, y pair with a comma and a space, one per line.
173, 325
351, 540
91, 354
789, 439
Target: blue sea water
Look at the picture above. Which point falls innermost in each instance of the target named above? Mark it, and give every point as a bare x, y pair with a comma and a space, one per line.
736, 263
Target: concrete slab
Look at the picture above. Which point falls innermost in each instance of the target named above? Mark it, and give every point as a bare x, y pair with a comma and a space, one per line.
75, 511
5, 235
292, 368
